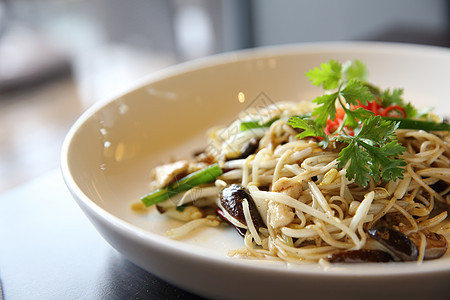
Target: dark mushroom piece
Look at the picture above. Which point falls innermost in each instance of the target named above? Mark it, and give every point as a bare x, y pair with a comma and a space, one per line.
231, 199
241, 231
248, 149
360, 256
436, 246
395, 241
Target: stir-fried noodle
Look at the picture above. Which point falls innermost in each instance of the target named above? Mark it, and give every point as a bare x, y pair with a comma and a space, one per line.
308, 207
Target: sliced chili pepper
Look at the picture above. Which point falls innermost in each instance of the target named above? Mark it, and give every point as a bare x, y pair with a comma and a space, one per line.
390, 108
332, 126
374, 107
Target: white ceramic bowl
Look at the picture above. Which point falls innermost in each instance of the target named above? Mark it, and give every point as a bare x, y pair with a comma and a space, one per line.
107, 156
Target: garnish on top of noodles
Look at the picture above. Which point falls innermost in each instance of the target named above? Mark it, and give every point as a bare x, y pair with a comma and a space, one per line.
372, 146
353, 114
362, 176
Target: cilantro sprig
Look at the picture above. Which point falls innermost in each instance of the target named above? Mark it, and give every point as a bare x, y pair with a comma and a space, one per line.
373, 150
348, 81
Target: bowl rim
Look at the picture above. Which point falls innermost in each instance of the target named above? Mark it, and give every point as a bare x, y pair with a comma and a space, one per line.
155, 240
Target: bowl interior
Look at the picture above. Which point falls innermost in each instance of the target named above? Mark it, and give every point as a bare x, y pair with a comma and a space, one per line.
110, 150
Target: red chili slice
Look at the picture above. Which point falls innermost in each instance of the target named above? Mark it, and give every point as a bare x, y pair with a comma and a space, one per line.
374, 107
398, 108
332, 126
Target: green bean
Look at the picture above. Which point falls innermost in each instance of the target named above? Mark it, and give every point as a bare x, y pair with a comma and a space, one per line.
205, 175
418, 124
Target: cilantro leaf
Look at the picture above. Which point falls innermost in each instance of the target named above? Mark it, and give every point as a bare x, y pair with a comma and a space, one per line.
328, 75
355, 91
378, 130
355, 161
373, 89
355, 70
310, 128
352, 116
374, 151
392, 98
387, 162
410, 110
326, 110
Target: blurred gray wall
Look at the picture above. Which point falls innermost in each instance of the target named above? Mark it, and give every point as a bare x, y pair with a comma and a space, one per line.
289, 21
179, 26
111, 43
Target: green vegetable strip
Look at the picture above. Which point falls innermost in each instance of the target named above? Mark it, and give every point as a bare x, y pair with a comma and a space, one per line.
417, 124
255, 124
194, 179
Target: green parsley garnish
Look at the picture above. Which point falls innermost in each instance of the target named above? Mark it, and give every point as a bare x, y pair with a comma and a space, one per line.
350, 90
373, 150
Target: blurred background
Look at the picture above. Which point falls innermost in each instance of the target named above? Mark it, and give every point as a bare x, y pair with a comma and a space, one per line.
58, 57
